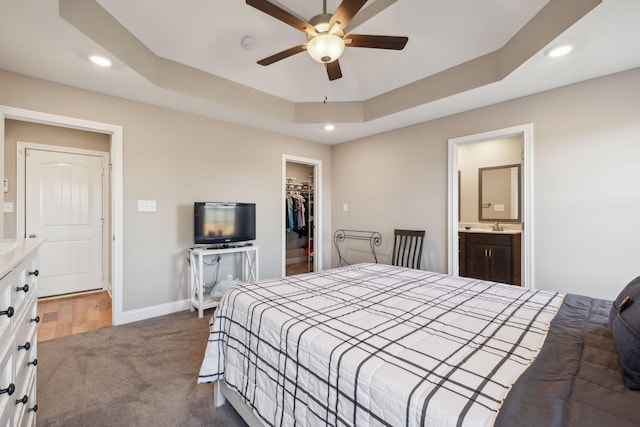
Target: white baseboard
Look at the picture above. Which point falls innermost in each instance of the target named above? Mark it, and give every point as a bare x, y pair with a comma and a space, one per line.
154, 311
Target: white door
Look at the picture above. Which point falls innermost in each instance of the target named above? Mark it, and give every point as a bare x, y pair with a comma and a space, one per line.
63, 203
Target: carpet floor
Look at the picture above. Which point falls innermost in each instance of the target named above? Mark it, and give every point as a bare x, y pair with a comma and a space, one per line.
139, 374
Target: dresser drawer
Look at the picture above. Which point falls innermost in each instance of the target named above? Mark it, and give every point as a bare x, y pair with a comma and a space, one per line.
25, 346
7, 386
21, 287
7, 311
31, 409
18, 334
5, 418
25, 405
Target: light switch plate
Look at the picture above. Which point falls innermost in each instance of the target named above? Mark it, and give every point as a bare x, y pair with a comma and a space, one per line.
146, 205
8, 206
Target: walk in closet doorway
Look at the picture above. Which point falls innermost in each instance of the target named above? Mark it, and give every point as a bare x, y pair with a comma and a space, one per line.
301, 215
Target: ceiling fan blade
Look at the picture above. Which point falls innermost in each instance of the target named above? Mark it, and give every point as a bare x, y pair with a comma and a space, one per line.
343, 14
282, 55
333, 70
282, 15
363, 16
376, 42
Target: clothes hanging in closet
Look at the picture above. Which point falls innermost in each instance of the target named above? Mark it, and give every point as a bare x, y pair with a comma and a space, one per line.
297, 211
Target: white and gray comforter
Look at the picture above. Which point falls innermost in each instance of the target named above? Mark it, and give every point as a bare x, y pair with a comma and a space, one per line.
373, 344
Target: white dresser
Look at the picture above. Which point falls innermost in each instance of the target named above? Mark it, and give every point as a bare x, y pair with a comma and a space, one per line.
18, 331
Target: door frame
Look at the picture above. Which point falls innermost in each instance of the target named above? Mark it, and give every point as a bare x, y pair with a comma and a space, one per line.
526, 132
116, 215
317, 209
21, 211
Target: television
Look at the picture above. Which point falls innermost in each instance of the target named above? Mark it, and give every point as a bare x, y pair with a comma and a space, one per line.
222, 223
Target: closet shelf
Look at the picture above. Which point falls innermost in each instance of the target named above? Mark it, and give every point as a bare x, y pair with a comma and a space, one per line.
299, 207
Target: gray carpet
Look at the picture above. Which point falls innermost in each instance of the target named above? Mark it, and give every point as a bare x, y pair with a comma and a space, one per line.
140, 374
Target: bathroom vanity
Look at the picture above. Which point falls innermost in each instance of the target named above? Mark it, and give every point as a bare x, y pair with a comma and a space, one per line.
491, 255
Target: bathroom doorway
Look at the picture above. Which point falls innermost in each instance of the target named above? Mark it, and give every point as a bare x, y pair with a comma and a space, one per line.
458, 213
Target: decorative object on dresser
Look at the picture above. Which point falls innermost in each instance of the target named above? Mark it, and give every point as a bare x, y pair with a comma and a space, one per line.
491, 256
407, 248
18, 332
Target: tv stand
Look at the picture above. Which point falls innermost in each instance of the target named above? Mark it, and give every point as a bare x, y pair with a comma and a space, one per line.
196, 272
224, 246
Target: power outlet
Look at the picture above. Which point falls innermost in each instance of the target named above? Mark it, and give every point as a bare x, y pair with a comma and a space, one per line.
146, 206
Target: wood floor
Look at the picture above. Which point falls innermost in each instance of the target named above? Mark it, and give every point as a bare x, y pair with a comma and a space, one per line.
298, 268
60, 317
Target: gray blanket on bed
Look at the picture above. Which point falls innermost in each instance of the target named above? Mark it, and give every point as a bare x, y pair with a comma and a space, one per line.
576, 379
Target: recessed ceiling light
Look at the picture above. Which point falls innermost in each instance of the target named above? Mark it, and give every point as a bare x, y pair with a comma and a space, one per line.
329, 127
559, 50
100, 60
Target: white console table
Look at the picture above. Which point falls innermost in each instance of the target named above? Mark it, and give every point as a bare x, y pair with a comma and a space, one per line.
196, 272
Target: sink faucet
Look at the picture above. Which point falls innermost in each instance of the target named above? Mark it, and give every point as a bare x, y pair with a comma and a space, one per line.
497, 227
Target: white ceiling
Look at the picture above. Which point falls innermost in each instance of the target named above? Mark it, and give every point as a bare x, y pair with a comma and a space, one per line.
207, 36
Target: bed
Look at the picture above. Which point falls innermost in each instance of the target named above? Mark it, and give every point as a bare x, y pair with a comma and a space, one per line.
373, 344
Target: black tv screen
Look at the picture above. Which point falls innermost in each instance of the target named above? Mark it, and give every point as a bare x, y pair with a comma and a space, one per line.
221, 222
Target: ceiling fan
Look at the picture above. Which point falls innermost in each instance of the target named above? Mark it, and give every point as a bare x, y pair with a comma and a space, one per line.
325, 34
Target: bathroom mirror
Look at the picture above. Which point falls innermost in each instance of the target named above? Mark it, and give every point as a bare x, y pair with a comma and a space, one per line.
499, 193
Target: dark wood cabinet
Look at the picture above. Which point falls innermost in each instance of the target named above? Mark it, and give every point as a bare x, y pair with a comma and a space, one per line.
462, 250
491, 256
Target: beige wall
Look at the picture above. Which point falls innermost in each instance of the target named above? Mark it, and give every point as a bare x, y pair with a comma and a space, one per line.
471, 157
299, 171
586, 194
176, 159
40, 134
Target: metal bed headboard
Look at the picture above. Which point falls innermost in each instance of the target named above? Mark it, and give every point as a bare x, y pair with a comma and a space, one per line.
374, 238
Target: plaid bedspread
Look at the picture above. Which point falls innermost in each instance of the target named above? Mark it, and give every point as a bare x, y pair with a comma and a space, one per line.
373, 344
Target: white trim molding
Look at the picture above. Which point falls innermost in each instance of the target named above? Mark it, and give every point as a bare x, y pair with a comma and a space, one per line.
154, 311
317, 199
526, 132
116, 153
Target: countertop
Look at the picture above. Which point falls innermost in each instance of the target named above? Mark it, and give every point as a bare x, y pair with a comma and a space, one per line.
488, 230
16, 251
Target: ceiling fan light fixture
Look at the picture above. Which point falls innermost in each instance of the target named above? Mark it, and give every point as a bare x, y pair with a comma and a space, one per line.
325, 47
